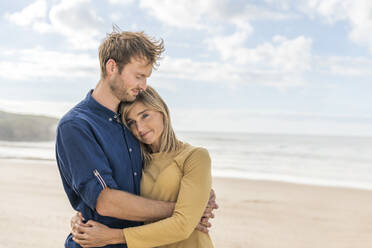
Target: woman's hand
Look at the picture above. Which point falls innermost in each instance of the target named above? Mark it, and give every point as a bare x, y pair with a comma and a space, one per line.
204, 223
76, 219
95, 234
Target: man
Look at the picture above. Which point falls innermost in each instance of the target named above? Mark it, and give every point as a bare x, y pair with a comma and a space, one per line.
98, 158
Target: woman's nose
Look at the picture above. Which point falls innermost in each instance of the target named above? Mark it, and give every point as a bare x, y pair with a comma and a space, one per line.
140, 127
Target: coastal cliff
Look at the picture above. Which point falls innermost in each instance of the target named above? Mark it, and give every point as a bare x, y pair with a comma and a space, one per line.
21, 127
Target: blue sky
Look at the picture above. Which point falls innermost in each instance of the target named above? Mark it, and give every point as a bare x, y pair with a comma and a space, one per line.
274, 66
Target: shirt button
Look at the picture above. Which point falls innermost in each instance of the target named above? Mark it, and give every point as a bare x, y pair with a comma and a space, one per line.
110, 119
135, 173
130, 149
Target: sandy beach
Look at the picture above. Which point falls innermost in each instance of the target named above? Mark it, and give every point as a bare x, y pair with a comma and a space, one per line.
34, 211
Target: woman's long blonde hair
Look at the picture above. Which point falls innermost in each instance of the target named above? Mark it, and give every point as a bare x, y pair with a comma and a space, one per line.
151, 99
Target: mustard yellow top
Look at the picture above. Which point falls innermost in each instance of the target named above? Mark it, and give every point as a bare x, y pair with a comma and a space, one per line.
184, 177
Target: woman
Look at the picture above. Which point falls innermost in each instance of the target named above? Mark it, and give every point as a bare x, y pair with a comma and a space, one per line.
172, 171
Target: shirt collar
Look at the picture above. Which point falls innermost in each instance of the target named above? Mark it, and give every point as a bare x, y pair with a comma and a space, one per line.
99, 109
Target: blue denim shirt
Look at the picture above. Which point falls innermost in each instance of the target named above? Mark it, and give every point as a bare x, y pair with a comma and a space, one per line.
95, 150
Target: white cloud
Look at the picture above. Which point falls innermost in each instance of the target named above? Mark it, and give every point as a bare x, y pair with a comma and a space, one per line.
38, 63
74, 19
361, 19
203, 14
226, 73
332, 10
344, 66
281, 4
357, 13
256, 12
226, 45
279, 63
194, 70
123, 2
283, 54
182, 13
30, 15
78, 22
116, 16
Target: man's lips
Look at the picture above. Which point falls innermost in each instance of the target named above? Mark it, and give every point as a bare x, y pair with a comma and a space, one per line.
136, 91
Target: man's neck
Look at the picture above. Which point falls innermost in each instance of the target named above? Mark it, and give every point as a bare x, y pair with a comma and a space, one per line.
102, 94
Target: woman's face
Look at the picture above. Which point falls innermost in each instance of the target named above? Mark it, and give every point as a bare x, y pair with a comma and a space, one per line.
146, 124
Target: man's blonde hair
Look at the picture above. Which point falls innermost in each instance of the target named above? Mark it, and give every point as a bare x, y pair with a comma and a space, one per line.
151, 99
123, 46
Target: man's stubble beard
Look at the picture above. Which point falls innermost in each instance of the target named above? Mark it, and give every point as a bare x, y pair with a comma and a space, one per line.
121, 92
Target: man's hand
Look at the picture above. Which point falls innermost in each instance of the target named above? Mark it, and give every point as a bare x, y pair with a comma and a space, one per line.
95, 234
204, 223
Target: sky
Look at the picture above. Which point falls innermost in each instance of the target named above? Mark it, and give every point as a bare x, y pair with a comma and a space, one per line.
268, 66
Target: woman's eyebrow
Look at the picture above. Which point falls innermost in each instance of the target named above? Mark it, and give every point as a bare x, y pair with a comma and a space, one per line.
143, 111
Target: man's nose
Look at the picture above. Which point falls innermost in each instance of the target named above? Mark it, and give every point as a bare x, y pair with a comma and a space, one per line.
143, 84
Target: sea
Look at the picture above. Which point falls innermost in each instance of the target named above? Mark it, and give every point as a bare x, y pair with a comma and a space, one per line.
306, 159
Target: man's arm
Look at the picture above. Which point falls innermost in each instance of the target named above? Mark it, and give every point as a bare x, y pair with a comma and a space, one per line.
80, 164
127, 206
146, 212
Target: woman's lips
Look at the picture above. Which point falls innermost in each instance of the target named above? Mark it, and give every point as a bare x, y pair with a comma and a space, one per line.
144, 134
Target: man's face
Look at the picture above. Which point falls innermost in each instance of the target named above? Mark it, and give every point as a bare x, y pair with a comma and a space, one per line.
126, 85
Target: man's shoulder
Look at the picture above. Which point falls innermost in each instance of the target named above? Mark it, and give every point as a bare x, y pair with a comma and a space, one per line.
78, 115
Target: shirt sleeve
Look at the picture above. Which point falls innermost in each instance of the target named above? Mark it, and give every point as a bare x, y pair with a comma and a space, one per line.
82, 162
192, 199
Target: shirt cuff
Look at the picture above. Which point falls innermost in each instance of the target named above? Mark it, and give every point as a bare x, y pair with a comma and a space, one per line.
90, 191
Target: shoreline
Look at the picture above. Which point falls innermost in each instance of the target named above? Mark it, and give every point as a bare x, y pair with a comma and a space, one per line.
218, 174
294, 181
252, 213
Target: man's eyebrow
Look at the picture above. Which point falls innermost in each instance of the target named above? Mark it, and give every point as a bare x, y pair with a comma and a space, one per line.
143, 74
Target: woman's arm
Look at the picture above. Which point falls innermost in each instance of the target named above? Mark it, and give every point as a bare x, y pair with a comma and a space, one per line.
192, 198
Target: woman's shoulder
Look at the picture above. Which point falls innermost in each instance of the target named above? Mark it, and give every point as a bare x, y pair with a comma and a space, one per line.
188, 152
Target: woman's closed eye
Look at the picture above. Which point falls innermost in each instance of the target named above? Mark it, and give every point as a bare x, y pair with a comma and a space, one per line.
130, 123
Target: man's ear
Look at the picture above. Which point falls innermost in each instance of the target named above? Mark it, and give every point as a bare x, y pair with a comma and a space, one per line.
111, 66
